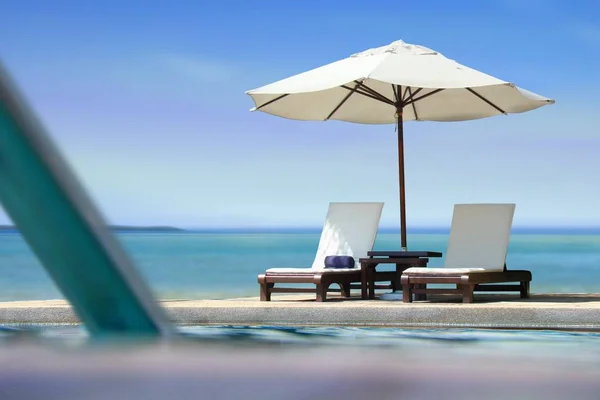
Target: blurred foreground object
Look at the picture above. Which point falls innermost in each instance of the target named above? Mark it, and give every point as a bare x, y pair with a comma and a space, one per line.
65, 231
189, 371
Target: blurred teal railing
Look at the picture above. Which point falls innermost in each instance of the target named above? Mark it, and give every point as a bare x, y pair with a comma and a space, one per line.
66, 232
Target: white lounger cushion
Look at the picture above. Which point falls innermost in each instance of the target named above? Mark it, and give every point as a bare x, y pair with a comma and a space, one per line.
478, 240
308, 271
350, 229
444, 270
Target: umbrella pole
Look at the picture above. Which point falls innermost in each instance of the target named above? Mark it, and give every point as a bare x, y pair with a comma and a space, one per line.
401, 178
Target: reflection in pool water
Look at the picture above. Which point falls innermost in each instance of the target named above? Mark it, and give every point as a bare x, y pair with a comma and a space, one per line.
343, 336
232, 362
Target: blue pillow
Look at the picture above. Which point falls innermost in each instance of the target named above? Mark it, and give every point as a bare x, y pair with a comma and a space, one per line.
339, 262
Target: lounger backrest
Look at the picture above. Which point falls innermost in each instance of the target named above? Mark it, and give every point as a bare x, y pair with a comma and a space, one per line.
479, 236
350, 229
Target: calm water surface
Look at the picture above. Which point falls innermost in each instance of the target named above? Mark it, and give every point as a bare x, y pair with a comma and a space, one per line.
200, 266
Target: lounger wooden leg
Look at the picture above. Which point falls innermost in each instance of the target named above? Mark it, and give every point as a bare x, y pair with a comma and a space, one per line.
371, 283
406, 290
468, 293
322, 291
420, 296
525, 290
265, 291
345, 287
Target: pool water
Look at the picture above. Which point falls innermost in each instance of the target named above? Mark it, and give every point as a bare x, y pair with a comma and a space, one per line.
463, 339
268, 362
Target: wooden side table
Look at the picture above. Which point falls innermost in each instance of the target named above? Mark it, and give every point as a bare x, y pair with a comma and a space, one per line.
402, 259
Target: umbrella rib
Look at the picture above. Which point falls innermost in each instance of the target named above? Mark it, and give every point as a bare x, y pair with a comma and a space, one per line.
343, 101
413, 104
272, 101
486, 100
374, 92
374, 96
397, 89
412, 95
363, 93
413, 100
367, 94
399, 104
407, 90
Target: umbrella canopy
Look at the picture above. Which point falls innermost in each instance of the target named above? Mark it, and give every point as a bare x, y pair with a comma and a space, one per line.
391, 84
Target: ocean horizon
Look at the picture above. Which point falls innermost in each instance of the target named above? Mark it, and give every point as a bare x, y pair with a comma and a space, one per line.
524, 229
583, 230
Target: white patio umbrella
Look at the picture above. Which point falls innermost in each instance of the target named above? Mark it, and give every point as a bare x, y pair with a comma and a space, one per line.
391, 84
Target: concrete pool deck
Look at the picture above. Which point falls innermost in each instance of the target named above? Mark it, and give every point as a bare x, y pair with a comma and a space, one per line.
541, 311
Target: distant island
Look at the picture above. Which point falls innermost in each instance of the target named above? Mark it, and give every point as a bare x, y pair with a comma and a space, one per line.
146, 228
120, 228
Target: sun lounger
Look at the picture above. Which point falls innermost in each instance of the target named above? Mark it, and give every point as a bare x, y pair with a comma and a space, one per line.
350, 229
475, 258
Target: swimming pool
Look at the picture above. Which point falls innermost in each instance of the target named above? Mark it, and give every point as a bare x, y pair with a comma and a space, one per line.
502, 340
267, 362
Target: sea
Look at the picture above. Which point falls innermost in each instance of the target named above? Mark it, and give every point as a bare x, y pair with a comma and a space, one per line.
217, 265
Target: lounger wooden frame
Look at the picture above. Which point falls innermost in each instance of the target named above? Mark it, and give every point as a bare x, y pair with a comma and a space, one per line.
475, 257
323, 280
350, 229
466, 283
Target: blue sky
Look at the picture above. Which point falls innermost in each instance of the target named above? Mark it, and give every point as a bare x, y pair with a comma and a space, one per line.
146, 99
